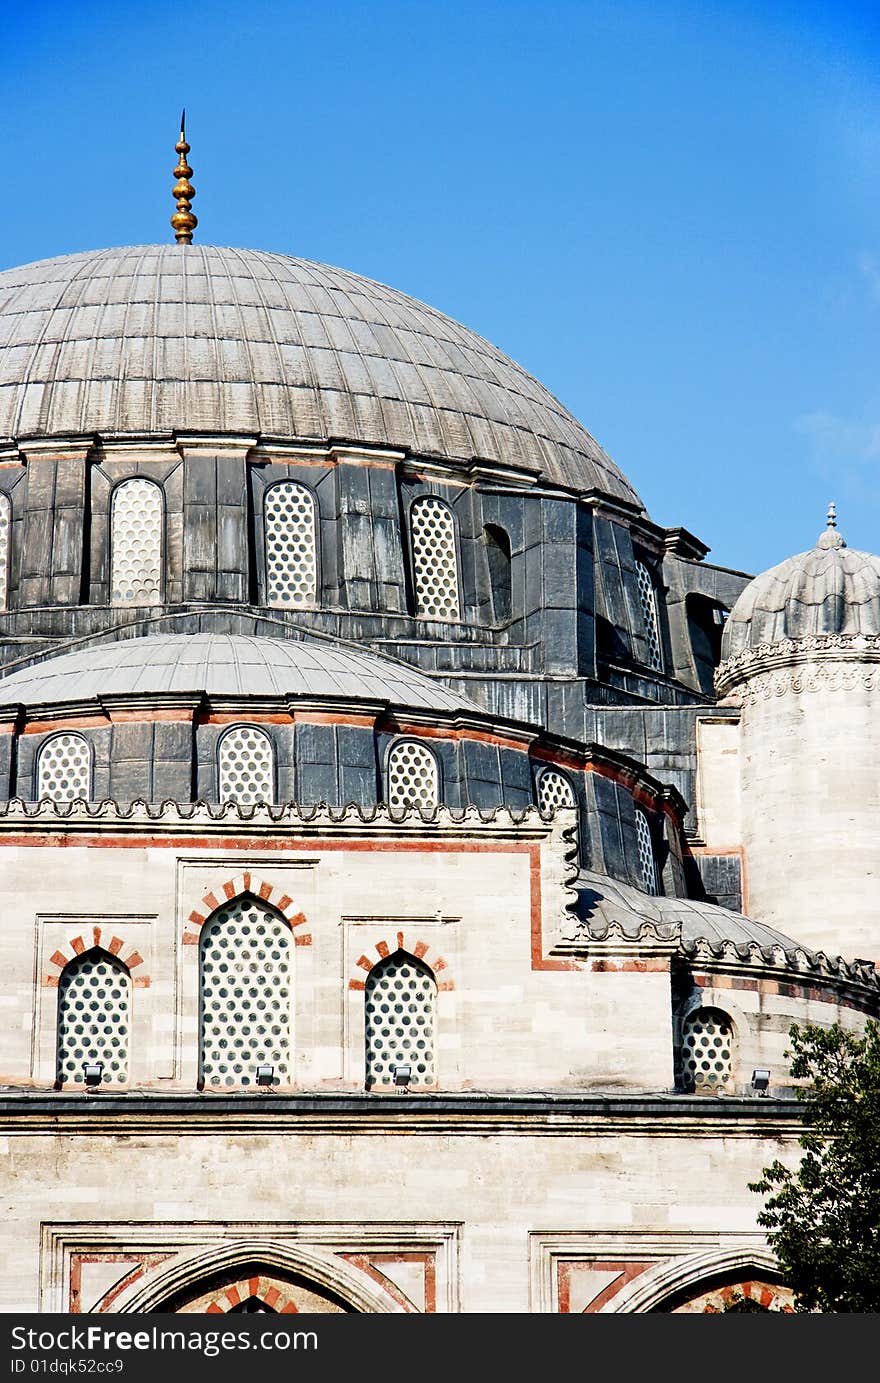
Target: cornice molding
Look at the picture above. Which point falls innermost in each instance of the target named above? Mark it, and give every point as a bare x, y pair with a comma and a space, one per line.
835, 657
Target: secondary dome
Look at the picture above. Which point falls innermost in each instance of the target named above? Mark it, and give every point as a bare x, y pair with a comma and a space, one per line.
157, 338
227, 665
832, 589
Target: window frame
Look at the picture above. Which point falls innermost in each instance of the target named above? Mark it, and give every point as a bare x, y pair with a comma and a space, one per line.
41, 748
218, 753
456, 543
77, 963
112, 544
390, 748
315, 599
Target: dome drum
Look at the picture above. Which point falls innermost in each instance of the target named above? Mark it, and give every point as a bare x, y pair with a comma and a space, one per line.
329, 537
315, 722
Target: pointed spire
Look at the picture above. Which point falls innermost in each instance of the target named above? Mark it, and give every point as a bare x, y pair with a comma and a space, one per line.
830, 537
184, 219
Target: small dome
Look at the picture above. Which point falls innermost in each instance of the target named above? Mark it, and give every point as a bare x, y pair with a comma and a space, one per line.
227, 665
832, 589
152, 339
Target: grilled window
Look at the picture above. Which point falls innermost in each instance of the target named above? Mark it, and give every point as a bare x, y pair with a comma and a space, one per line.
136, 520
64, 768
706, 1051
647, 863
435, 563
247, 767
412, 777
291, 546
401, 996
648, 598
94, 1017
245, 994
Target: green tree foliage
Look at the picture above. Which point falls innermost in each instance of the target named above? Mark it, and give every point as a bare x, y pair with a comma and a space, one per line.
823, 1218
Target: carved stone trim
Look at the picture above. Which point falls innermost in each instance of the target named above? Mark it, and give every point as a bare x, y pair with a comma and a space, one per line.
837, 663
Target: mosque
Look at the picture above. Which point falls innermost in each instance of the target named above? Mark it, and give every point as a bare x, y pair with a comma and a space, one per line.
412, 856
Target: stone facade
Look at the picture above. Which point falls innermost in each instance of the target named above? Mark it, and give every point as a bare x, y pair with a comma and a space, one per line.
394, 915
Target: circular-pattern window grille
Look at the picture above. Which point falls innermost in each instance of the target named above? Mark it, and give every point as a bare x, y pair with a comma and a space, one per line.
245, 994
246, 766
291, 553
648, 597
94, 1003
554, 790
706, 1050
435, 565
63, 768
4, 550
401, 998
136, 543
412, 776
647, 865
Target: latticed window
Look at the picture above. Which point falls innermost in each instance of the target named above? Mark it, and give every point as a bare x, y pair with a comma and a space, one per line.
247, 771
94, 1017
706, 1050
647, 863
5, 524
412, 777
401, 997
554, 790
64, 768
245, 994
435, 564
648, 598
136, 522
291, 550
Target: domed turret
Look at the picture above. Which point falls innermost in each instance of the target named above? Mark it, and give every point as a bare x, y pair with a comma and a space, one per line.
831, 589
800, 655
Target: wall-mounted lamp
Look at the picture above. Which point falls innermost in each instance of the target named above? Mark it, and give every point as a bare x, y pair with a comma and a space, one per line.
93, 1073
402, 1075
265, 1074
760, 1081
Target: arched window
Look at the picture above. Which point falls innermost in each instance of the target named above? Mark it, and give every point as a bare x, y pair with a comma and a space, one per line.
136, 523
412, 779
400, 1003
706, 619
94, 1017
5, 525
291, 546
498, 559
245, 969
648, 598
64, 767
645, 842
706, 1051
434, 557
247, 766
554, 790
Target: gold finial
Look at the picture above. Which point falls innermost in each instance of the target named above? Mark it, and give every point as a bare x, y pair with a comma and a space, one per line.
184, 219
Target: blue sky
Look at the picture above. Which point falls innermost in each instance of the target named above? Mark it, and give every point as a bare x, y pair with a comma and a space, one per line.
668, 212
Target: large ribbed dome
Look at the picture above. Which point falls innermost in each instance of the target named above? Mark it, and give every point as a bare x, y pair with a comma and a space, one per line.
157, 338
227, 665
831, 589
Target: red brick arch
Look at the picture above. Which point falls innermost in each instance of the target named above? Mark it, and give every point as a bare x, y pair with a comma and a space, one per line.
400, 941
97, 938
246, 884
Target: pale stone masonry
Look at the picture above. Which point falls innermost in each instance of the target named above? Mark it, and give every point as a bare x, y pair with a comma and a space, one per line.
395, 915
